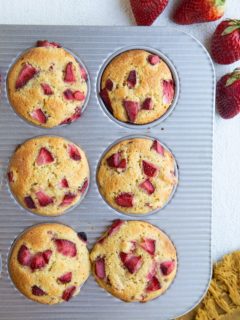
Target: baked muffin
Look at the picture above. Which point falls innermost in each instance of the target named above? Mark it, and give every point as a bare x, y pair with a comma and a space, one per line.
134, 261
137, 176
49, 263
137, 86
48, 175
47, 86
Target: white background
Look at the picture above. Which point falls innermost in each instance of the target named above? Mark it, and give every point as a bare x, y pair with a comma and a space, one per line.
226, 211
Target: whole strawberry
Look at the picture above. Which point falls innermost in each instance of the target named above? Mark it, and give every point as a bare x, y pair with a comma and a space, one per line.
195, 11
228, 95
226, 42
146, 11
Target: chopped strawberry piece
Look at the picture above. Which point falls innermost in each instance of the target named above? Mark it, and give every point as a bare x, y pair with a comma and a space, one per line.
68, 94
153, 285
167, 267
45, 43
105, 98
158, 147
168, 91
132, 108
46, 89
109, 85
114, 160
122, 164
36, 291
68, 293
29, 202
100, 268
83, 73
82, 236
66, 277
74, 117
84, 186
153, 59
66, 247
24, 256
124, 199
10, 176
115, 227
44, 157
47, 255
147, 186
152, 271
68, 199
64, 183
74, 152
148, 245
78, 95
69, 73
44, 199
132, 79
39, 115
131, 262
149, 169
37, 261
25, 75
147, 104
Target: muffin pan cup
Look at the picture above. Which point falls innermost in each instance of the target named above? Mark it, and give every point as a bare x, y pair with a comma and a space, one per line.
187, 131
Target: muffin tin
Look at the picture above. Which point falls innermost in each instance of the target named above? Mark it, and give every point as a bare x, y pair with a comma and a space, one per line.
188, 132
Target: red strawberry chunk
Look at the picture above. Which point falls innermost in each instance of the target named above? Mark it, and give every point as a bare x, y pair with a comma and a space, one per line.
25, 75
24, 256
47, 255
66, 277
153, 285
167, 267
147, 104
132, 108
69, 73
46, 89
44, 199
147, 186
45, 43
168, 91
148, 245
158, 147
36, 291
152, 271
84, 186
132, 79
78, 95
39, 115
100, 268
68, 94
68, 199
153, 59
68, 293
125, 199
115, 161
74, 152
44, 157
10, 176
122, 164
105, 98
74, 117
83, 73
115, 227
149, 169
109, 85
66, 247
64, 183
29, 202
37, 261
131, 262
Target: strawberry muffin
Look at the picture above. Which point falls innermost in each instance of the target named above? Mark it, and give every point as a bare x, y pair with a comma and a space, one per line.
137, 176
137, 87
49, 263
48, 175
47, 86
134, 261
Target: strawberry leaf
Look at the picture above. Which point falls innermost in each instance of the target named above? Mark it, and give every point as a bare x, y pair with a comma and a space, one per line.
220, 3
230, 29
234, 77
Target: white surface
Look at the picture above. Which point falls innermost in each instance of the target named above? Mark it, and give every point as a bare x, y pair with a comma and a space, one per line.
226, 217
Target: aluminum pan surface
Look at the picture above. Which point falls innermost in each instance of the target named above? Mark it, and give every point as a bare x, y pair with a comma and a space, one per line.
188, 132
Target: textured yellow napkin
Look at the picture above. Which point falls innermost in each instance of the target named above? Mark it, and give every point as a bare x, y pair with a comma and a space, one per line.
222, 301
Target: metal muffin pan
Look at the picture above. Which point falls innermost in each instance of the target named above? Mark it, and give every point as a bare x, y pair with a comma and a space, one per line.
188, 132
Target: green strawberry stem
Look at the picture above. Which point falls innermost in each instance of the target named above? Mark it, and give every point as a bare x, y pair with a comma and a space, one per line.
234, 76
232, 26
